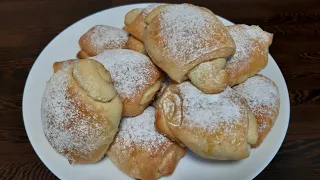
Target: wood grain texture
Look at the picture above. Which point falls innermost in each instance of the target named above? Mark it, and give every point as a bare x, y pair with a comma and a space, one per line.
27, 26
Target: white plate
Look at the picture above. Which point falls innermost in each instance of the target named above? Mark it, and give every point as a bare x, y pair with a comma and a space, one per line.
65, 46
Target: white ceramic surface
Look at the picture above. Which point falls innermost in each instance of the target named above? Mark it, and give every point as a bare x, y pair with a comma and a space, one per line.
65, 46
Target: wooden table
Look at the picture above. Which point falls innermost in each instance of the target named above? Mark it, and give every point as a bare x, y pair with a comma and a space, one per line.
27, 26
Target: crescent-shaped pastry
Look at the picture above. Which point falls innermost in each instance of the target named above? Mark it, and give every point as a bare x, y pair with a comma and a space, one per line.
141, 152
101, 37
135, 78
214, 126
188, 41
251, 54
80, 111
263, 98
135, 21
136, 45
131, 16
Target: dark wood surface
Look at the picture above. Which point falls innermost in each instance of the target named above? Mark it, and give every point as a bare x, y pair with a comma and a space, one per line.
27, 26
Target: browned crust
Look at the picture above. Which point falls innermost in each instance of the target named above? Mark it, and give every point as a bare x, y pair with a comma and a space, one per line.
87, 47
106, 114
87, 50
141, 164
196, 138
249, 67
160, 119
62, 64
145, 160
136, 45
131, 15
155, 49
170, 160
132, 105
82, 55
137, 27
266, 121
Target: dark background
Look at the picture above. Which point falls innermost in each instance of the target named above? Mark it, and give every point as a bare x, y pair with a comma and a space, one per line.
27, 26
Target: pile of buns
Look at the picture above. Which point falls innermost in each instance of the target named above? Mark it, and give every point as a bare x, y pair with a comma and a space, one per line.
173, 78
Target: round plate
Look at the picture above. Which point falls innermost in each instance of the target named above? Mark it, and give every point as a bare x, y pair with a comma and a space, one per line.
65, 46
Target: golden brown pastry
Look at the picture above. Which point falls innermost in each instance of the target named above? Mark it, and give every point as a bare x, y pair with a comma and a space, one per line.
263, 98
179, 38
136, 45
251, 54
63, 64
135, 78
165, 83
141, 152
214, 126
210, 76
131, 16
80, 110
135, 20
102, 37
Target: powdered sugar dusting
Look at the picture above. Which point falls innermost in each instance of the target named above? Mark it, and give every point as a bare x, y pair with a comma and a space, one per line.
247, 40
65, 126
206, 110
185, 31
139, 132
149, 8
260, 92
130, 71
102, 37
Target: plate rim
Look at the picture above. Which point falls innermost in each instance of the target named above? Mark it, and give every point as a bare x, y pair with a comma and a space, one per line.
30, 74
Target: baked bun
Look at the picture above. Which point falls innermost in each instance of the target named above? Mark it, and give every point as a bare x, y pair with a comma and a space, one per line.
214, 126
131, 16
210, 76
101, 38
165, 83
136, 45
141, 152
251, 54
179, 38
135, 78
80, 110
263, 98
135, 21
